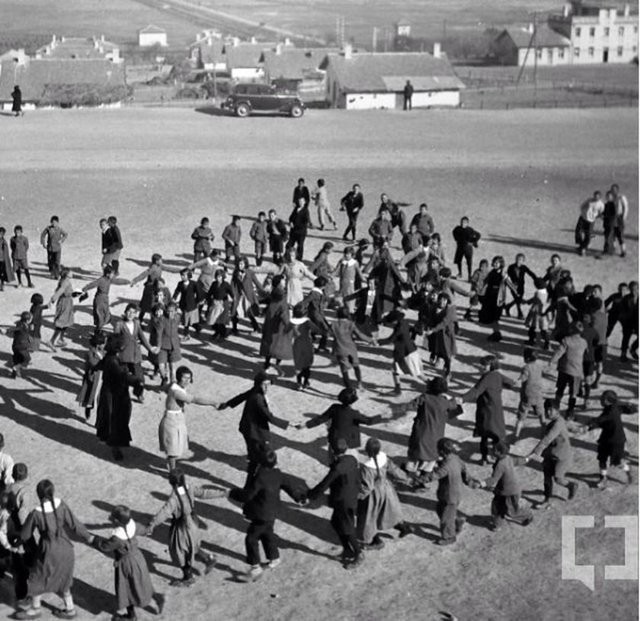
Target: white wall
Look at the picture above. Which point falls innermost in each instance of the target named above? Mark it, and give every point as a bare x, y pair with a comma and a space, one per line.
370, 101
148, 39
435, 98
247, 74
557, 56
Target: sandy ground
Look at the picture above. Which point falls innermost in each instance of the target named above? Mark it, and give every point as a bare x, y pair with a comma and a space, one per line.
520, 177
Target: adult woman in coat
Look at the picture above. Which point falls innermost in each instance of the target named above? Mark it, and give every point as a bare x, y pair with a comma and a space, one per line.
487, 393
495, 297
277, 332
114, 402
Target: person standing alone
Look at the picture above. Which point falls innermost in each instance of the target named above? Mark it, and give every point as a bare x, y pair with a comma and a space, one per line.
408, 94
52, 239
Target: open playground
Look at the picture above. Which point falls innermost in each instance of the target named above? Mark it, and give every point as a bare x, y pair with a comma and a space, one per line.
520, 176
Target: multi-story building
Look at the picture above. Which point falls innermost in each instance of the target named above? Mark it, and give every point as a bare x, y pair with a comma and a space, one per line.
598, 34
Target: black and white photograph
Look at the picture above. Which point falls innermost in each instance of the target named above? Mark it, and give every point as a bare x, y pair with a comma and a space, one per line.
320, 310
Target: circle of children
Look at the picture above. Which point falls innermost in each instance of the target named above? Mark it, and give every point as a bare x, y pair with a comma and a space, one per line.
348, 302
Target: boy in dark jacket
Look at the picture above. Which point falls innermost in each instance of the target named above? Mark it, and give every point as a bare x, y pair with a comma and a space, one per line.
52, 239
466, 240
517, 272
300, 221
231, 236
451, 474
186, 293
259, 235
612, 440
22, 344
343, 483
555, 451
313, 305
344, 422
261, 508
277, 231
256, 416
506, 489
19, 255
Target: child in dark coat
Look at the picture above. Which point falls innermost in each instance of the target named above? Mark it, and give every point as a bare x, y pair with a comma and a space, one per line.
19, 254
132, 580
91, 378
22, 345
506, 489
260, 236
303, 331
169, 337
186, 293
261, 508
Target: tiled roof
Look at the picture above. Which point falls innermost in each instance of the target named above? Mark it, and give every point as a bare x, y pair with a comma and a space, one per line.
35, 75
371, 73
245, 54
545, 37
76, 47
210, 53
294, 63
151, 29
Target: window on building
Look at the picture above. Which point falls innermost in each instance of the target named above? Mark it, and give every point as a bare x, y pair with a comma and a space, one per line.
591, 52
578, 32
620, 50
592, 32
606, 32
621, 31
550, 55
576, 52
539, 53
561, 53
635, 30
634, 49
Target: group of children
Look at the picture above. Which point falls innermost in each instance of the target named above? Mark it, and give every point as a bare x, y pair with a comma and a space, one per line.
347, 302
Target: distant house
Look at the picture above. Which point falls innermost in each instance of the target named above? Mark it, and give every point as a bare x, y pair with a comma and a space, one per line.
152, 35
18, 56
368, 81
519, 46
598, 33
79, 48
403, 28
56, 82
243, 58
207, 51
297, 70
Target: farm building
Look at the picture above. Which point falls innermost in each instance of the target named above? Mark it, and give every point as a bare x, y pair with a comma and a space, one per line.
368, 81
521, 46
243, 58
152, 35
70, 48
598, 34
55, 82
207, 51
297, 70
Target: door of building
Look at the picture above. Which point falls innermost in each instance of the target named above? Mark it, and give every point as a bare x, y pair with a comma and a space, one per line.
605, 55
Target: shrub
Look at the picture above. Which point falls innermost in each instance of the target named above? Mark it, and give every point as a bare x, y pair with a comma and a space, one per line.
72, 95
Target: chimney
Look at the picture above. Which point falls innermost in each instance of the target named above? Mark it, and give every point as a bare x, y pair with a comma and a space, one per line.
235, 41
347, 51
278, 49
253, 40
565, 10
627, 10
530, 28
210, 41
287, 41
102, 38
198, 37
437, 50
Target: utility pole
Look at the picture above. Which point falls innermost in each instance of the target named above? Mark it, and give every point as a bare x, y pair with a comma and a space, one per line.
374, 42
535, 57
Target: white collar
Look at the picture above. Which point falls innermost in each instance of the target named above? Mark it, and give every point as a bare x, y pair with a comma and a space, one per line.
382, 461
46, 505
125, 532
181, 490
318, 290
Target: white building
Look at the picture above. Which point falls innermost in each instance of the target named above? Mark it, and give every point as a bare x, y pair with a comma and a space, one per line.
152, 35
377, 81
598, 34
523, 46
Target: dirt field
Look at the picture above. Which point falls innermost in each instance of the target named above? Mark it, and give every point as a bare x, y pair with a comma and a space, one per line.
519, 175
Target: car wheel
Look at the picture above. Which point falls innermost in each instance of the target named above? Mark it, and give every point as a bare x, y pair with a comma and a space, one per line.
296, 111
243, 110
